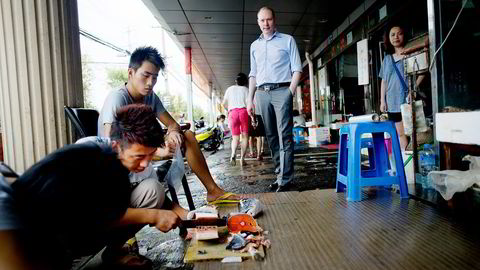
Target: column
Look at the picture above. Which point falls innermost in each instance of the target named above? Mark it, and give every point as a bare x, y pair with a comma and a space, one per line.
213, 119
40, 72
188, 84
313, 86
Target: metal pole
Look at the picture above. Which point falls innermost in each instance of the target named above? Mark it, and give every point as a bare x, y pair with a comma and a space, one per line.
432, 38
188, 84
165, 74
312, 88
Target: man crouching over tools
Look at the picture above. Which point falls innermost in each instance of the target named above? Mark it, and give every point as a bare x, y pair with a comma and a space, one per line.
79, 199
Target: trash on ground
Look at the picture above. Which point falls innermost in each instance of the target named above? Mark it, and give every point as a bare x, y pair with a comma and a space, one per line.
449, 182
251, 206
232, 259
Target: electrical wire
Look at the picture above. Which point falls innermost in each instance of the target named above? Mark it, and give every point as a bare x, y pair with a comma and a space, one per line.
449, 32
103, 42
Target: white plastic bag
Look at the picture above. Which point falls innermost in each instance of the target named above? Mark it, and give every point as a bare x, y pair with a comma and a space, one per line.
251, 206
420, 121
177, 170
451, 181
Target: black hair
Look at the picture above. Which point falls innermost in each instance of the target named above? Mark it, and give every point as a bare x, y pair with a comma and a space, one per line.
296, 113
389, 49
241, 79
136, 123
143, 54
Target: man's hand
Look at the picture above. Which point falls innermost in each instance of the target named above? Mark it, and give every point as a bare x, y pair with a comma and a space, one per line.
165, 220
175, 138
292, 91
250, 110
166, 152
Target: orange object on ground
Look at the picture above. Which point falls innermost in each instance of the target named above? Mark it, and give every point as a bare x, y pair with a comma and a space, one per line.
241, 223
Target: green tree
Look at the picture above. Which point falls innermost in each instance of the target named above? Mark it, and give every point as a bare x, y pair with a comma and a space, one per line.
199, 112
176, 105
87, 76
116, 77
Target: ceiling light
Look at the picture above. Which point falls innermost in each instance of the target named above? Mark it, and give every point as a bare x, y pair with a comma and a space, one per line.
306, 40
322, 20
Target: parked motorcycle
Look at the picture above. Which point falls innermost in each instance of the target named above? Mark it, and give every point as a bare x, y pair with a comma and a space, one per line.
209, 138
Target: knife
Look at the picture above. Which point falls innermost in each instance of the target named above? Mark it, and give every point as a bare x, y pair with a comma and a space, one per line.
192, 223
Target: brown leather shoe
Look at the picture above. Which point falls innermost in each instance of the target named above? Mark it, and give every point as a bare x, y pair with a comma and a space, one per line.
273, 186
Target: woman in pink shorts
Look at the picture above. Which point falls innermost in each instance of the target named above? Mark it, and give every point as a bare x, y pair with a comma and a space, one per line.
235, 100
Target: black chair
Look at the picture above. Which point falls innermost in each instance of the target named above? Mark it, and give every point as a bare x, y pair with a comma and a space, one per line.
7, 172
84, 120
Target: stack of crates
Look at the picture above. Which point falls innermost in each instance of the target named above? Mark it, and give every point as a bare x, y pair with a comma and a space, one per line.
318, 136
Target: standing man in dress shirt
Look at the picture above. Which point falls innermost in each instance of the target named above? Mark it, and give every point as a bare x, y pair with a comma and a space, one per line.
275, 70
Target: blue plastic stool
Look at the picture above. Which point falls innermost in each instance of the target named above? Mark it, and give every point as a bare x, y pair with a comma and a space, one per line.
298, 134
349, 173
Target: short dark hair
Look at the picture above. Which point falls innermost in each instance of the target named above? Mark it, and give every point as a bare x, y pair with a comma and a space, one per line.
136, 123
143, 54
296, 113
221, 116
389, 49
267, 8
241, 79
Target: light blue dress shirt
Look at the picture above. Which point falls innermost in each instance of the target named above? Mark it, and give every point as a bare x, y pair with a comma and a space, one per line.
275, 59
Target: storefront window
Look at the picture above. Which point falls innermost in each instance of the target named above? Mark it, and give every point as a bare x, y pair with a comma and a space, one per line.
459, 58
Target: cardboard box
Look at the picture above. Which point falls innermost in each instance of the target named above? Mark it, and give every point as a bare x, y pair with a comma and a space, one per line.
317, 143
316, 132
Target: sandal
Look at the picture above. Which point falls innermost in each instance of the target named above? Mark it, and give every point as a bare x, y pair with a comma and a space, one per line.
223, 199
232, 161
252, 155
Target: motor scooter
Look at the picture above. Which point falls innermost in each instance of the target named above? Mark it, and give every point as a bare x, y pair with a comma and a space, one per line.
209, 138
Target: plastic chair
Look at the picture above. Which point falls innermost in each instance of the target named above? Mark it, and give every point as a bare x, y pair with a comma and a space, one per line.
84, 120
349, 172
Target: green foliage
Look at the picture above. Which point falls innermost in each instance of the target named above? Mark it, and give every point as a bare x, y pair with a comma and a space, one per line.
199, 112
176, 105
87, 77
116, 77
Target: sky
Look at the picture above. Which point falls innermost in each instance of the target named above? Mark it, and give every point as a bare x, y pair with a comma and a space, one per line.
128, 24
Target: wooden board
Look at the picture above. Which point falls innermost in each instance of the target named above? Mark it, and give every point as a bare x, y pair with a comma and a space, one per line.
199, 250
215, 250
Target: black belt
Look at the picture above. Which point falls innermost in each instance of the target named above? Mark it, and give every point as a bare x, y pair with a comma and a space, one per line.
272, 86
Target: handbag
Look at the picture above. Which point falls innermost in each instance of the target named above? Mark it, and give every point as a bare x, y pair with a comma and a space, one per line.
406, 109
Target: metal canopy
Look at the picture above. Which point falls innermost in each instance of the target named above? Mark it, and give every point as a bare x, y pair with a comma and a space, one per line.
220, 31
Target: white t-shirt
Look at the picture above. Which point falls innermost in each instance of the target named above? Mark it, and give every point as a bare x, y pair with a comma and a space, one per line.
236, 97
298, 121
